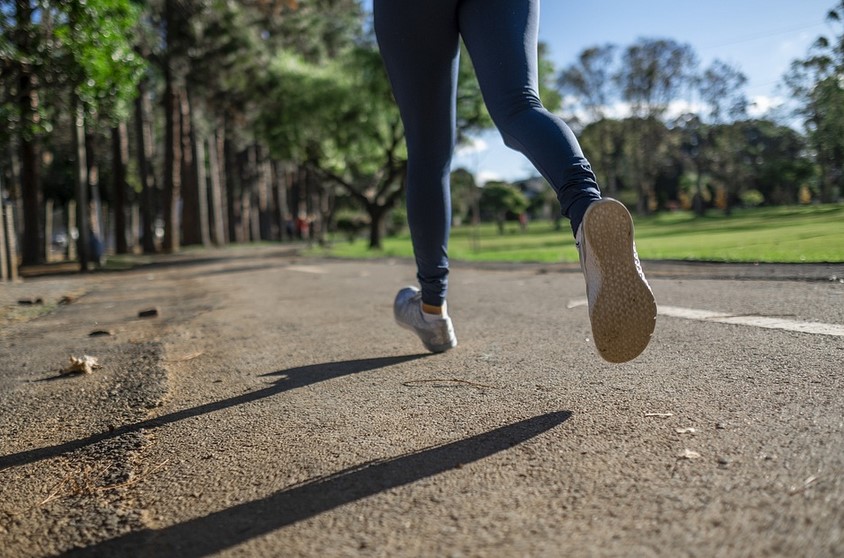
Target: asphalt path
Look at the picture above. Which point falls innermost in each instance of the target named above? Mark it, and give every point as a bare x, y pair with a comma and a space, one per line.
273, 408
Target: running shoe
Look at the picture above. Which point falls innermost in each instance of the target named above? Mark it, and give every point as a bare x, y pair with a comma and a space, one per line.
622, 308
436, 332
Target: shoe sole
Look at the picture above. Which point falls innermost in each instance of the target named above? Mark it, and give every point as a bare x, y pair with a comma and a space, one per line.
433, 348
624, 314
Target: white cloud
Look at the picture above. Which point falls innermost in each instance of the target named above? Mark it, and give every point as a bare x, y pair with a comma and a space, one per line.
678, 108
760, 105
477, 145
618, 110
485, 176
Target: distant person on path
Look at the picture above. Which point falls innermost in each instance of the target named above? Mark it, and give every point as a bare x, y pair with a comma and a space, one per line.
419, 42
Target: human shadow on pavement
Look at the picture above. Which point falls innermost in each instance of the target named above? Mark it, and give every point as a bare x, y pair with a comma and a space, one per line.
291, 378
226, 528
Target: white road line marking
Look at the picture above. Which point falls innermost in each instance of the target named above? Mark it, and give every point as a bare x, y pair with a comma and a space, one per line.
814, 328
307, 269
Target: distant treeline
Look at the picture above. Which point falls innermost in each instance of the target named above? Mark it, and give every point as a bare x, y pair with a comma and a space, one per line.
149, 125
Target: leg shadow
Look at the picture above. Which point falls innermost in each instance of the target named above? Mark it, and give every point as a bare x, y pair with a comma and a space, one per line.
289, 379
227, 528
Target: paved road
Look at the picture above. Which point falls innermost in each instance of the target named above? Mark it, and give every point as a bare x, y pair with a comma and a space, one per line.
273, 408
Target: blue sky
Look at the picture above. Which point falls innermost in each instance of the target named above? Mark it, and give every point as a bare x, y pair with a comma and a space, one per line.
760, 37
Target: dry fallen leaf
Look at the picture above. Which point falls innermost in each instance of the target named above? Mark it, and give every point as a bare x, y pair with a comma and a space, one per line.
806, 484
81, 365
689, 454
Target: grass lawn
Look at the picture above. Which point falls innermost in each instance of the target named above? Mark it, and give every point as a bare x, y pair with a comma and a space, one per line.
776, 234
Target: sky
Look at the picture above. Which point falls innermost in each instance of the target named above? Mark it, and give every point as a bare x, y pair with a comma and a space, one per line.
759, 37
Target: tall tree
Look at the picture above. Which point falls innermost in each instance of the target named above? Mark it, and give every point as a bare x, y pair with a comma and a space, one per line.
818, 86
464, 193
231, 45
119, 158
591, 89
71, 49
608, 139
500, 198
177, 38
23, 59
588, 82
146, 174
340, 120
103, 72
653, 74
720, 87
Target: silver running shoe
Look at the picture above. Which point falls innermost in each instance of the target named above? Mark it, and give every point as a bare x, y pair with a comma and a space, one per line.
437, 335
622, 308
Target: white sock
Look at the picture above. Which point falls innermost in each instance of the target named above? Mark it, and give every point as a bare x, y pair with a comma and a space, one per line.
434, 317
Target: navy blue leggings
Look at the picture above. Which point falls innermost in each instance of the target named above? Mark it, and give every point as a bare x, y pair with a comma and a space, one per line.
419, 42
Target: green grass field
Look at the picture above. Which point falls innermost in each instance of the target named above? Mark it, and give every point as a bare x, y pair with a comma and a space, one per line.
776, 234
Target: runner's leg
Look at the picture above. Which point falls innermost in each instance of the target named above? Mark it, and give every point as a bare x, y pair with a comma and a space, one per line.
419, 43
501, 36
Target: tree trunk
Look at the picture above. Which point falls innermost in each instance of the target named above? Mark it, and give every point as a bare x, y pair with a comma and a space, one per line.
251, 221
172, 162
48, 229
191, 227
134, 226
31, 194
143, 135
299, 202
198, 144
96, 216
10, 241
83, 243
71, 226
232, 183
377, 214
119, 156
218, 228
246, 217
106, 224
4, 260
313, 203
326, 212
30, 187
280, 181
29, 145
262, 184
